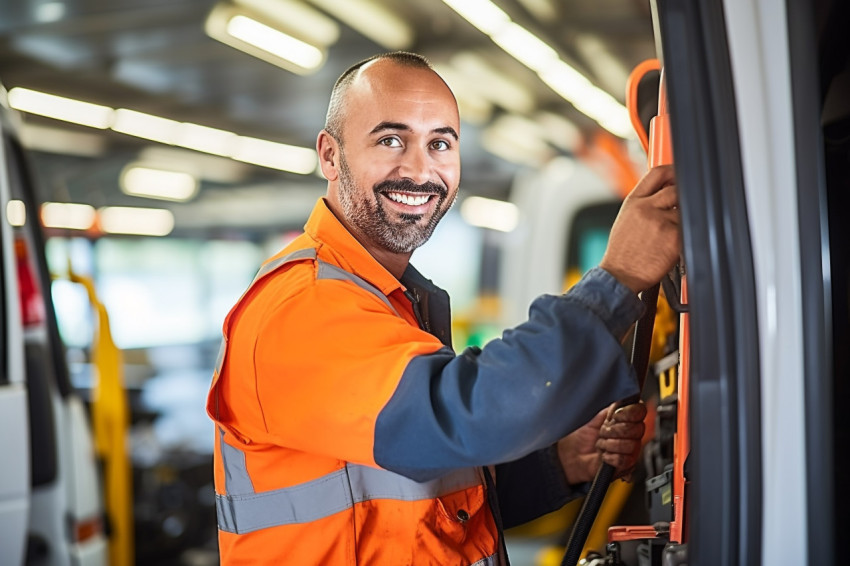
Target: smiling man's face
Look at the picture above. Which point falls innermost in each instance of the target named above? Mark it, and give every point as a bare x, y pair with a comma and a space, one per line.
399, 160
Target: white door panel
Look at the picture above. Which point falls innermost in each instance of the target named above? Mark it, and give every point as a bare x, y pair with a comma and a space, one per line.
14, 473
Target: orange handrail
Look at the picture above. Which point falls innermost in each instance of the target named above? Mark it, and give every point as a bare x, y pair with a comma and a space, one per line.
632, 84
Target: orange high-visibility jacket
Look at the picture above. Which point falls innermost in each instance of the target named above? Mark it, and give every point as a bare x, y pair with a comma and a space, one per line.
348, 431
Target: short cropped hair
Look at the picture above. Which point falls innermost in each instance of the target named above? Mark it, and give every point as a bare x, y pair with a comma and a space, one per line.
334, 118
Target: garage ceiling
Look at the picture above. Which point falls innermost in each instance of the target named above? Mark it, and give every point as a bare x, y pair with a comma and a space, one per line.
154, 56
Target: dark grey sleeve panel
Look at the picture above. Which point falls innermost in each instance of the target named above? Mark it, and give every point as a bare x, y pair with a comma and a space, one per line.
614, 303
522, 392
532, 486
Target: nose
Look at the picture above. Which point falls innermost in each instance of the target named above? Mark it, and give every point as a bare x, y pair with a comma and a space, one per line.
415, 165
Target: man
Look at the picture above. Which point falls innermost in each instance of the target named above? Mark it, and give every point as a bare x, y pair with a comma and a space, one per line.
348, 431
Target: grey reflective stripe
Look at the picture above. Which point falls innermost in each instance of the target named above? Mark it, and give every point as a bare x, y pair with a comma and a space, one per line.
374, 483
303, 503
219, 360
328, 271
489, 561
236, 478
337, 491
307, 253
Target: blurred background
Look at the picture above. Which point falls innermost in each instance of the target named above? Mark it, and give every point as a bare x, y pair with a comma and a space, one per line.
172, 149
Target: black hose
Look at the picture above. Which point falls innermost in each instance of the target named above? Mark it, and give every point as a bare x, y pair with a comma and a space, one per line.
641, 347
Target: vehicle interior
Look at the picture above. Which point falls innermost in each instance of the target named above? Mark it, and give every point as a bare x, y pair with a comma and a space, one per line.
703, 493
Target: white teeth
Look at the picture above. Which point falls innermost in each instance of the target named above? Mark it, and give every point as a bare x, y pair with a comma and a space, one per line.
409, 199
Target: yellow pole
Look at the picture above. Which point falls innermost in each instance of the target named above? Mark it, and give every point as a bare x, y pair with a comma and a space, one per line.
110, 421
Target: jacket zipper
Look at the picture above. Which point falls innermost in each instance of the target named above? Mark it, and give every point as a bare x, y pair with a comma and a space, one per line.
413, 297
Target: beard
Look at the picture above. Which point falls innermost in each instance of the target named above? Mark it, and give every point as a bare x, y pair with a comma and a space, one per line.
367, 213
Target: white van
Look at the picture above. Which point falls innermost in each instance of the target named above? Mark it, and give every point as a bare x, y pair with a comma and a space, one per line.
51, 510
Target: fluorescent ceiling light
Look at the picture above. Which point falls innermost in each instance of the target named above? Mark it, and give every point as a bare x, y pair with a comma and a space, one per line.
67, 215
136, 221
16, 212
543, 10
608, 70
518, 140
539, 56
214, 141
566, 81
208, 140
559, 131
276, 155
138, 180
60, 108
50, 11
145, 126
275, 42
472, 105
493, 85
589, 99
371, 20
202, 166
61, 140
311, 25
490, 213
618, 123
262, 33
525, 47
482, 14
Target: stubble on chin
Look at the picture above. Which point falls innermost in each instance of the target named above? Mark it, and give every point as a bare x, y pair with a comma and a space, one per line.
369, 217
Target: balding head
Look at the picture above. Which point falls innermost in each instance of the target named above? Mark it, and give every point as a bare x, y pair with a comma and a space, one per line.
337, 107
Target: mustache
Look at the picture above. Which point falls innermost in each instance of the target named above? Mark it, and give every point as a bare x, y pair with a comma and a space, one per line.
408, 186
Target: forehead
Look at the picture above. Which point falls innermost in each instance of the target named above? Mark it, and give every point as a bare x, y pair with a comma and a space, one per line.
385, 91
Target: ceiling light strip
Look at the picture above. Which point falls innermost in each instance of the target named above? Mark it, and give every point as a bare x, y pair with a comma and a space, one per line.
490, 213
136, 221
72, 216
275, 41
541, 58
61, 108
274, 155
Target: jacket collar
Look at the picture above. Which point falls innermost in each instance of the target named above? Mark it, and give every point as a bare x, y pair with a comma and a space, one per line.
344, 249
336, 244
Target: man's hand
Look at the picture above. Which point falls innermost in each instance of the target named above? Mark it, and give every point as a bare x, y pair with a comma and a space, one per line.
645, 242
611, 436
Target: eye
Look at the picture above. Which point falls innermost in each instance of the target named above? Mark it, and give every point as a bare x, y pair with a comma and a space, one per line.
390, 142
440, 145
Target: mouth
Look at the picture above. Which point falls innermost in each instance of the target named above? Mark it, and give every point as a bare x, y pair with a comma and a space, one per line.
409, 199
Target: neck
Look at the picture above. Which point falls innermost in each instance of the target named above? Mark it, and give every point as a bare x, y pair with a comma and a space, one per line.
393, 262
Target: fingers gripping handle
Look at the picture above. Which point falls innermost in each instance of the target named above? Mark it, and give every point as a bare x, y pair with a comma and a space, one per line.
641, 347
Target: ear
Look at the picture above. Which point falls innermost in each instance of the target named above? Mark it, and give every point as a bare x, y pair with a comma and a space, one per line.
328, 149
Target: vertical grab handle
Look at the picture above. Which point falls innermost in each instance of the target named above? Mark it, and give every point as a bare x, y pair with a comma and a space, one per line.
657, 144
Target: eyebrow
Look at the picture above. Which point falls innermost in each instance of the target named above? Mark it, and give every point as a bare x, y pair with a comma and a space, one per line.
404, 127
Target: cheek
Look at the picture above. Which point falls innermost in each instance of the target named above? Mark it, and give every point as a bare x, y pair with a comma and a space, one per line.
371, 172
451, 177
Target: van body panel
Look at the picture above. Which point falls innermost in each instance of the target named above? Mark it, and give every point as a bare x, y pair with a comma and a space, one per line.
14, 473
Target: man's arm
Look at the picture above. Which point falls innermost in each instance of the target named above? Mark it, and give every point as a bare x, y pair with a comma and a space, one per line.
361, 384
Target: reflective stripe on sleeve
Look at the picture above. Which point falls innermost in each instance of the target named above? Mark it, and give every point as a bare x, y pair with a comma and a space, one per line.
307, 253
329, 271
489, 561
242, 510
